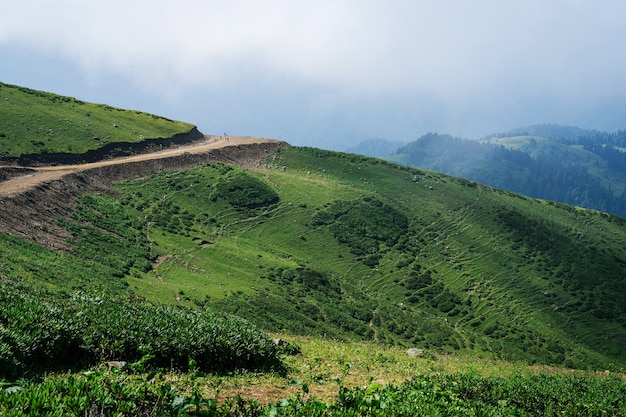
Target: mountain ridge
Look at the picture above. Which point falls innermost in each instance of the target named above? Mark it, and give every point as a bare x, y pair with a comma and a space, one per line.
587, 171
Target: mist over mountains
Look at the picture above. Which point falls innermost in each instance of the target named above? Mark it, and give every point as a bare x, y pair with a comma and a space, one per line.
585, 168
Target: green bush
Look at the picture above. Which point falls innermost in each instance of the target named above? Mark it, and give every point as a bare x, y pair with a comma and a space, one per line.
165, 336
91, 394
34, 333
244, 191
40, 330
365, 225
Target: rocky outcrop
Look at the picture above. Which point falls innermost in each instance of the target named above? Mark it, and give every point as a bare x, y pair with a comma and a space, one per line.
414, 352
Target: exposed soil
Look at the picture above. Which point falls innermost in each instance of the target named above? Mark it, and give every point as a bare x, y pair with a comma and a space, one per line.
33, 199
111, 150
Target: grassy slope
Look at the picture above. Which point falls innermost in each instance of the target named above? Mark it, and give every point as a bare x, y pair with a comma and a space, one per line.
529, 280
38, 122
477, 270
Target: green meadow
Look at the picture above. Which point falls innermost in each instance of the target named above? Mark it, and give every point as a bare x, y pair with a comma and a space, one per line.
177, 282
37, 122
322, 243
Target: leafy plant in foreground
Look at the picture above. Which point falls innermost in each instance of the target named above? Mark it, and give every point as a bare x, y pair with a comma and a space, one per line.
173, 337
38, 335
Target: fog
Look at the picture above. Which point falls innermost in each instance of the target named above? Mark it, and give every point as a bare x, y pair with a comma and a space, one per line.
329, 73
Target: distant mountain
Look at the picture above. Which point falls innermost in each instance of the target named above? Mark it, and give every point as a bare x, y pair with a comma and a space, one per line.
587, 171
376, 147
550, 131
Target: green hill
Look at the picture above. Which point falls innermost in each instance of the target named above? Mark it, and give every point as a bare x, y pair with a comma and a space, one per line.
177, 273
38, 123
350, 247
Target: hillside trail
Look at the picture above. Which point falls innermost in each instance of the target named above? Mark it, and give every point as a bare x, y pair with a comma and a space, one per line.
43, 174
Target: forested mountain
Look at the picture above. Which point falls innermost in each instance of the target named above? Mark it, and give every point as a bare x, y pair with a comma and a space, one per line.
550, 131
587, 171
376, 147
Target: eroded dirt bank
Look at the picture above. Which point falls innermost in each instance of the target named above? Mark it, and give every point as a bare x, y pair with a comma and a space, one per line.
33, 199
116, 149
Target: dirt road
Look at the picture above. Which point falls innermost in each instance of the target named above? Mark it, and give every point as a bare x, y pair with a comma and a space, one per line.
40, 175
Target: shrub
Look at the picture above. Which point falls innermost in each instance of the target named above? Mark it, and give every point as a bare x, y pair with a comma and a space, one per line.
40, 335
168, 336
364, 225
92, 394
34, 334
244, 191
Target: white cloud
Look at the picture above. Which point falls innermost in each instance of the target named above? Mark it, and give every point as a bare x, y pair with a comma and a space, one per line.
377, 45
455, 55
189, 39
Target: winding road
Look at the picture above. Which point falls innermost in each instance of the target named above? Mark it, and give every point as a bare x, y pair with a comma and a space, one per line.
44, 174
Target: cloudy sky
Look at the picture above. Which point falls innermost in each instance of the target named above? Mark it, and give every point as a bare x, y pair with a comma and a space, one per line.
329, 73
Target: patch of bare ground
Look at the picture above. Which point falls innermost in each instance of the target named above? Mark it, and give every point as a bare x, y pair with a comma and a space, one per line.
33, 199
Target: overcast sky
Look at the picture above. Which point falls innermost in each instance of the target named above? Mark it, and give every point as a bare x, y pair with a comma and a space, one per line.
329, 73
